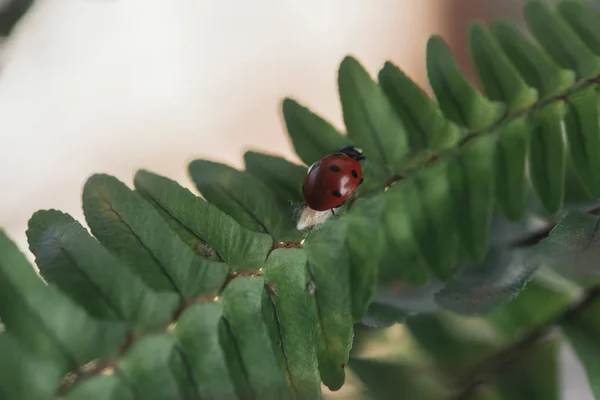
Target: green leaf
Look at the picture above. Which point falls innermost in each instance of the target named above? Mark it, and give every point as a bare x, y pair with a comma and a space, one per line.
432, 218
386, 380
198, 332
510, 182
243, 304
239, 194
103, 387
80, 267
583, 134
11, 12
582, 331
402, 258
572, 248
240, 248
479, 288
559, 40
535, 66
381, 315
45, 322
157, 369
129, 226
26, 377
312, 136
287, 276
533, 375
500, 79
237, 370
547, 156
330, 268
472, 193
370, 119
426, 126
583, 19
364, 242
282, 176
458, 99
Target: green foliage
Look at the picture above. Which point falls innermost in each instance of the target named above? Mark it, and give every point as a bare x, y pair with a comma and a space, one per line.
221, 296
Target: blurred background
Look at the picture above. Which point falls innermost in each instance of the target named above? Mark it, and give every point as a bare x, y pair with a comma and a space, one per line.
116, 85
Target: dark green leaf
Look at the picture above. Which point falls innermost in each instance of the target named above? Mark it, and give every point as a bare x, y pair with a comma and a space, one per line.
533, 375
583, 19
481, 287
572, 248
330, 269
103, 387
239, 194
511, 184
559, 40
157, 369
287, 276
365, 242
198, 332
370, 119
472, 193
243, 304
282, 176
457, 98
23, 376
426, 126
583, 134
45, 322
402, 258
534, 65
11, 12
79, 266
381, 315
242, 249
130, 227
500, 79
312, 136
386, 380
432, 217
583, 331
235, 364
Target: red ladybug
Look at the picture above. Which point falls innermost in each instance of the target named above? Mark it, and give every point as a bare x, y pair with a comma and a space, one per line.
332, 179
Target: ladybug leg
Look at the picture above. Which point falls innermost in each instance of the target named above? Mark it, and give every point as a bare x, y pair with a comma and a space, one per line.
332, 212
341, 204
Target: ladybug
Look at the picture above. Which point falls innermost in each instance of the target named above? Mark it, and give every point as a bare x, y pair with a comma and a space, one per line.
332, 179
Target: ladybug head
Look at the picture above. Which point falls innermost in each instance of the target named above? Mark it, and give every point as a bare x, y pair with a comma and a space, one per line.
351, 152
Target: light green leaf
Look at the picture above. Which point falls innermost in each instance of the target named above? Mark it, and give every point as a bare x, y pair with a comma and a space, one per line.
329, 265
240, 248
129, 226
239, 194
471, 176
583, 19
80, 267
559, 40
287, 276
500, 79
237, 370
282, 176
370, 119
479, 288
312, 136
426, 126
583, 331
535, 66
103, 387
511, 183
458, 99
583, 134
364, 242
45, 322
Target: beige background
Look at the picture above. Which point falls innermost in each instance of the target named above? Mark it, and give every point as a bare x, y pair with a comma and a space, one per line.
116, 85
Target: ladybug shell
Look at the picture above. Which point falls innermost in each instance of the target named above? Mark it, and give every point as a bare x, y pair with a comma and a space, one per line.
330, 181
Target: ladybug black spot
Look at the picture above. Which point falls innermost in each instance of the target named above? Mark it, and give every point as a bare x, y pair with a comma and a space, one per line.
335, 168
354, 174
336, 193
